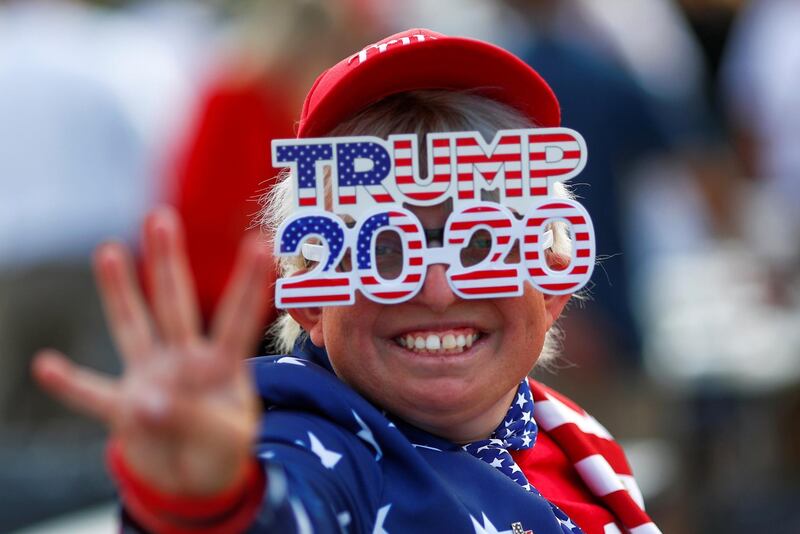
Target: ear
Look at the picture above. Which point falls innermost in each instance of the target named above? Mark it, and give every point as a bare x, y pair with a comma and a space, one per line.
554, 305
311, 321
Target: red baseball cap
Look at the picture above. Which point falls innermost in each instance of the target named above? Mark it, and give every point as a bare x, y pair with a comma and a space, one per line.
423, 59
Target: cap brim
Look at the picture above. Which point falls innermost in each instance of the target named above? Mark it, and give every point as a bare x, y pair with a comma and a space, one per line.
453, 63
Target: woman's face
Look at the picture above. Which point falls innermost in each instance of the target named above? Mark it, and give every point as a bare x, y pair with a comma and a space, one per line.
446, 391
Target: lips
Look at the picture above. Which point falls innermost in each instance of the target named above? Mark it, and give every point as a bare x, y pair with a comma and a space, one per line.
448, 341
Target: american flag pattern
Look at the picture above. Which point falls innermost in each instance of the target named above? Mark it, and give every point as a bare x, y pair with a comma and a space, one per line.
517, 431
491, 277
412, 276
598, 459
349, 179
433, 189
320, 287
577, 274
553, 153
473, 160
304, 158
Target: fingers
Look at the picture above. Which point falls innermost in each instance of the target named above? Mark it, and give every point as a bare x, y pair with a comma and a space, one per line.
170, 279
84, 390
123, 302
240, 316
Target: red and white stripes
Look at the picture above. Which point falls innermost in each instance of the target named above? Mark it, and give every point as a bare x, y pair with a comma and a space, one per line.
597, 458
581, 265
433, 189
553, 153
491, 278
311, 290
410, 280
473, 160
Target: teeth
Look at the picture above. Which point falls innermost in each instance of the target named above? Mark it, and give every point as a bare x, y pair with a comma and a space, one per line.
449, 341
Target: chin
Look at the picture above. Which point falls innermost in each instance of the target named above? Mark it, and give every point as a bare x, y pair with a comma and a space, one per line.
441, 397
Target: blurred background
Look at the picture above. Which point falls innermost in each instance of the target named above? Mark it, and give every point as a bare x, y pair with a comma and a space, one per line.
688, 349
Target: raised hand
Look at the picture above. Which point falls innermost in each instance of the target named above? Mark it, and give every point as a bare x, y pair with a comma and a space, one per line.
185, 409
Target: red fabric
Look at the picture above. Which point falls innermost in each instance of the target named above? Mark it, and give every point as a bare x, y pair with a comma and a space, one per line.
549, 470
578, 445
229, 511
408, 62
222, 171
568, 436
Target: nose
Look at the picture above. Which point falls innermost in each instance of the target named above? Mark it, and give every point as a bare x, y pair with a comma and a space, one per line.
436, 293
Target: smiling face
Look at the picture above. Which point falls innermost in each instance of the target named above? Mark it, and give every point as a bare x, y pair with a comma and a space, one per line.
461, 393
446, 365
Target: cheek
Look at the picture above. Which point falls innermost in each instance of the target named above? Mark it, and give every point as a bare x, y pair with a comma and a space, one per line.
340, 331
349, 333
526, 320
363, 371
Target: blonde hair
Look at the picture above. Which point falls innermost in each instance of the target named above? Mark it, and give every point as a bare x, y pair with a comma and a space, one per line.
419, 112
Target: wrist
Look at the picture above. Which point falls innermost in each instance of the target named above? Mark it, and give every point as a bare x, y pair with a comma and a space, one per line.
230, 510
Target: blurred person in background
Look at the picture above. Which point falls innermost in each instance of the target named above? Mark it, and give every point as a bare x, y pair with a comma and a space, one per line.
711, 22
759, 85
90, 99
223, 168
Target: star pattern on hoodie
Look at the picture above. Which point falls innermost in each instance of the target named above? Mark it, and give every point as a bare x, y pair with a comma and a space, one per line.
517, 431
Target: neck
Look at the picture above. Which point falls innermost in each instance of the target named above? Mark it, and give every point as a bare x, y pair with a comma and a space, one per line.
473, 428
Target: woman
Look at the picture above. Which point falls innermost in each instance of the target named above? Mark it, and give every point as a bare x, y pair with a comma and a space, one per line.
410, 417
